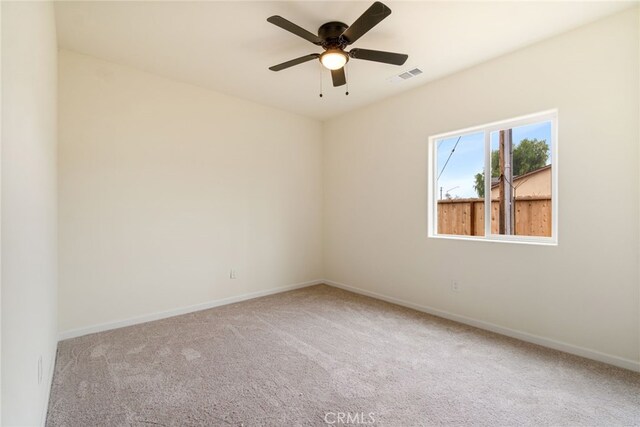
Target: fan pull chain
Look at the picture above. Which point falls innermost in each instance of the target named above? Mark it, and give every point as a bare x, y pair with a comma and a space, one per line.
320, 64
346, 79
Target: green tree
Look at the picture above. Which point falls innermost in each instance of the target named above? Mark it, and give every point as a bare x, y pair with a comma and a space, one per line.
479, 184
528, 156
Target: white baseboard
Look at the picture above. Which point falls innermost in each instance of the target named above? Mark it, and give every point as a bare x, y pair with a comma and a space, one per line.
48, 384
73, 333
524, 336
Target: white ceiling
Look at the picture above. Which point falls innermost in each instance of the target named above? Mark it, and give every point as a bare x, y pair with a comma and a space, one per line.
228, 46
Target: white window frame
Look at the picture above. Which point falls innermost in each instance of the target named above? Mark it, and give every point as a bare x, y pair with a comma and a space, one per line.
545, 116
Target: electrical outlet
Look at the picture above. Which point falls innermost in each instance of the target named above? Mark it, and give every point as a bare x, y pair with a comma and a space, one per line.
455, 286
233, 274
40, 370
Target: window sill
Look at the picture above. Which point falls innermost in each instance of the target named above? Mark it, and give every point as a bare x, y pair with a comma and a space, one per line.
535, 241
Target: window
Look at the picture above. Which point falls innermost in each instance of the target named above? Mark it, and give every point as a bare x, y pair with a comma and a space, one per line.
517, 203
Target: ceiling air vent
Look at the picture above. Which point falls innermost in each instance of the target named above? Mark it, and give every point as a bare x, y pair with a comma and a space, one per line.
406, 75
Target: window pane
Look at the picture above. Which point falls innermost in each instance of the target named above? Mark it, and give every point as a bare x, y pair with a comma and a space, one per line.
460, 184
521, 180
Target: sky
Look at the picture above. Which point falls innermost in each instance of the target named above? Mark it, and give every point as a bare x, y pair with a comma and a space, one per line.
458, 177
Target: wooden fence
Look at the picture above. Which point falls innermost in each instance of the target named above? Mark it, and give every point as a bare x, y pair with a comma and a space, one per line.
466, 216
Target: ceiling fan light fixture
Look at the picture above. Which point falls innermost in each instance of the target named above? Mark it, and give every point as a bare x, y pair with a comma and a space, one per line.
334, 59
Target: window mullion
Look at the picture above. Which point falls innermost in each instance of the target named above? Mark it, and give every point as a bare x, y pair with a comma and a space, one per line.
487, 183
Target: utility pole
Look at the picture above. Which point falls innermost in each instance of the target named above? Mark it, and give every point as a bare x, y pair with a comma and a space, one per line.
506, 218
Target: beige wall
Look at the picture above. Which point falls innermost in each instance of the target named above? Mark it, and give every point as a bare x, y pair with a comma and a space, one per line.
165, 187
582, 293
29, 249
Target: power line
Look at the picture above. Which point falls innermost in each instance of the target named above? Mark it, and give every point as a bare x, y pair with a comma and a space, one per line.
449, 158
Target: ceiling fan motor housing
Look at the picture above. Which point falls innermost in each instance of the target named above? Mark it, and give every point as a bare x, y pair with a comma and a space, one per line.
330, 34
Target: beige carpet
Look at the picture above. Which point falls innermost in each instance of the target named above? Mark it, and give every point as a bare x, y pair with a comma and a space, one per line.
304, 356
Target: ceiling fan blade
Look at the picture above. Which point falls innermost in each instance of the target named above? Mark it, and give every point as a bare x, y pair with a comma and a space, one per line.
293, 28
338, 77
379, 56
369, 19
294, 62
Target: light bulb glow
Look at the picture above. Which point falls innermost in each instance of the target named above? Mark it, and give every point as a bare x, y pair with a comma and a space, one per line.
333, 59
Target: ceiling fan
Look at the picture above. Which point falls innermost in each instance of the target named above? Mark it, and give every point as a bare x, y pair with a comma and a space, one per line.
334, 37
